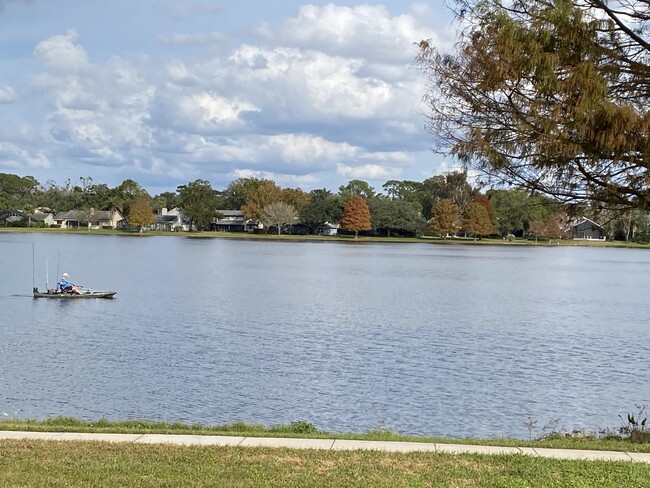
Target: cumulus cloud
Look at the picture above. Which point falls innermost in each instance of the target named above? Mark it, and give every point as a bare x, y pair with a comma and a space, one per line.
319, 102
7, 94
61, 53
367, 171
304, 148
314, 85
201, 112
364, 31
15, 157
178, 74
209, 108
99, 111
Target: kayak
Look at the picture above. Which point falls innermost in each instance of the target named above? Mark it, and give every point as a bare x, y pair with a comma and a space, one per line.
86, 294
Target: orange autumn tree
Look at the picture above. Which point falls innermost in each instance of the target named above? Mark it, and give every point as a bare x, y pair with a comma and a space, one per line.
445, 218
477, 220
356, 215
140, 213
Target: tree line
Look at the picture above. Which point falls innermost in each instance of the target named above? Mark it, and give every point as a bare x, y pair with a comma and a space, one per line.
442, 205
550, 96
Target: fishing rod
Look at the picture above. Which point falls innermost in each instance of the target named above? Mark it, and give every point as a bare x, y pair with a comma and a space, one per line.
33, 267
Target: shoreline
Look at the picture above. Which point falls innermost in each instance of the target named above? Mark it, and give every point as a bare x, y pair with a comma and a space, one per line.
305, 430
345, 239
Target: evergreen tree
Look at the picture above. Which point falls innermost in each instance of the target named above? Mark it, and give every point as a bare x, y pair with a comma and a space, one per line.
323, 207
198, 202
356, 187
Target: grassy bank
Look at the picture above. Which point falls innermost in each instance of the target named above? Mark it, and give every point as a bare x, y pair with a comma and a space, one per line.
71, 464
311, 238
306, 430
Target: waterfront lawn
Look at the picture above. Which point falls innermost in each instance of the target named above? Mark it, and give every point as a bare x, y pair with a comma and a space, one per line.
303, 429
99, 464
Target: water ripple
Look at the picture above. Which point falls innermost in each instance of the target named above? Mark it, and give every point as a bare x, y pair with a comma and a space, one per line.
434, 340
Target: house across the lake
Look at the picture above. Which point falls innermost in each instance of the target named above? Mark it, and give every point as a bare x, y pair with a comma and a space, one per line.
171, 220
327, 229
10, 216
77, 219
234, 221
45, 217
586, 229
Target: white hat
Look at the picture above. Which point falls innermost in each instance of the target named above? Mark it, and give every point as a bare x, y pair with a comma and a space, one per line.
66, 275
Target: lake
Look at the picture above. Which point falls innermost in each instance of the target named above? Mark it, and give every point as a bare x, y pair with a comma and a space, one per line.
453, 340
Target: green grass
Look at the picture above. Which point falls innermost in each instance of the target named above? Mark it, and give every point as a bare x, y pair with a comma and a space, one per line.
98, 464
302, 430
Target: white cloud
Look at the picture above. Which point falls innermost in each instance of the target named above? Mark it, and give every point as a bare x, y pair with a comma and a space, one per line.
100, 112
321, 101
204, 113
367, 171
178, 73
364, 31
309, 84
7, 94
61, 53
308, 149
214, 109
15, 157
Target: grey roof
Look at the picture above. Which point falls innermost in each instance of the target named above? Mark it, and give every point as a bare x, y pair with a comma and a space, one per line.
170, 219
101, 215
7, 213
582, 220
162, 219
229, 222
70, 215
231, 213
40, 216
84, 216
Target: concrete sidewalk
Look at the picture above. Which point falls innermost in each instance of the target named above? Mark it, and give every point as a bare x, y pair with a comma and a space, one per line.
329, 444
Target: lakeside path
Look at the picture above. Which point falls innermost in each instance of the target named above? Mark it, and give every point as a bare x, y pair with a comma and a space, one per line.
326, 444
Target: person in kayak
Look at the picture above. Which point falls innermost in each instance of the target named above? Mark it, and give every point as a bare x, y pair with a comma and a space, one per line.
64, 286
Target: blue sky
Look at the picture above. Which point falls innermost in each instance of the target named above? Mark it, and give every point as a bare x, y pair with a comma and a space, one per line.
164, 92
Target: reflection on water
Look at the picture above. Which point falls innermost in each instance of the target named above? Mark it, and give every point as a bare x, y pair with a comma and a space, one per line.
419, 338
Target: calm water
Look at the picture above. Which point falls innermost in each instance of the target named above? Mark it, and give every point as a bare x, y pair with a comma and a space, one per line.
418, 338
